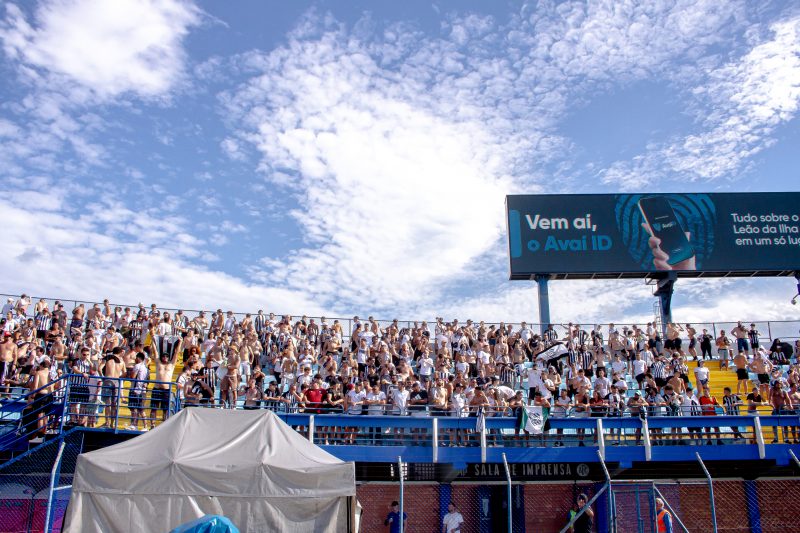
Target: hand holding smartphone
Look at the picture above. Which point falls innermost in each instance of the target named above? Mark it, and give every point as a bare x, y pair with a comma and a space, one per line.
668, 240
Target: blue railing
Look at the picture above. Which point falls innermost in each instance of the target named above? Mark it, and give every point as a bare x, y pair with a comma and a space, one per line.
421, 437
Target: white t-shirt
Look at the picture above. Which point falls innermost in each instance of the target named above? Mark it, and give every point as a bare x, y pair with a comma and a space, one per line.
378, 408
639, 366
602, 385
399, 401
352, 397
425, 366
701, 372
452, 522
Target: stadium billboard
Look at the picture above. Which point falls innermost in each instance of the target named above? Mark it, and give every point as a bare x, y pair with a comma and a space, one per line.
575, 236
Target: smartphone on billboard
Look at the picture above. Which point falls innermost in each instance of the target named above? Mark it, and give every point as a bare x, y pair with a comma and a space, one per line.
663, 223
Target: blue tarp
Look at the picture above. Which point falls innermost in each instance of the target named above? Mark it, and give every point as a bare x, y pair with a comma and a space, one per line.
207, 524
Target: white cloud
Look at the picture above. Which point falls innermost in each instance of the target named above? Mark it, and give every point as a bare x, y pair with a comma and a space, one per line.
110, 48
110, 251
399, 147
739, 106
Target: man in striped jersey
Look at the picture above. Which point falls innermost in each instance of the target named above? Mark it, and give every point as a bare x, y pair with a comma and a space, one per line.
79, 388
659, 371
550, 336
44, 321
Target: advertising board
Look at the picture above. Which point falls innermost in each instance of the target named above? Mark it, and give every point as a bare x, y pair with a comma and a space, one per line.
638, 235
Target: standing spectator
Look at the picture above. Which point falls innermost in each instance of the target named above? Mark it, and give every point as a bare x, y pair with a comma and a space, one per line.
723, 349
137, 392
781, 405
741, 334
585, 522
701, 376
451, 523
663, 518
708, 405
705, 344
393, 518
731, 403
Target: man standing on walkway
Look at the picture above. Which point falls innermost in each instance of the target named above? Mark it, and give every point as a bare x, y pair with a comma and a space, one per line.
452, 520
663, 518
393, 518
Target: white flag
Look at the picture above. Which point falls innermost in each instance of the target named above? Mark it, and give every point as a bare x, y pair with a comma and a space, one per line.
532, 419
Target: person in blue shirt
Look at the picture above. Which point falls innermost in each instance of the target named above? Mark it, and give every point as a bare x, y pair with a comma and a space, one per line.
393, 518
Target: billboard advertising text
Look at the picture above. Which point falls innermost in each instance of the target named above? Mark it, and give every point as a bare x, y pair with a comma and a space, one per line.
633, 235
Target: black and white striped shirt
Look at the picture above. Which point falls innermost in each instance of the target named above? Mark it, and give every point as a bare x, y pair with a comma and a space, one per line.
43, 322
753, 336
659, 370
259, 322
586, 359
731, 404
582, 337
82, 366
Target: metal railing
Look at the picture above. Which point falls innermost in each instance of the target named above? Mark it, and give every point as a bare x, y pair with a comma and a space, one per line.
787, 330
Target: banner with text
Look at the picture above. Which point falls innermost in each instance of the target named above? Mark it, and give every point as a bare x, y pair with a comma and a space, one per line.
632, 235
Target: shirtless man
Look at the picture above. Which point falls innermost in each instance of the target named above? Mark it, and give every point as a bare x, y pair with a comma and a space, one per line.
112, 370
723, 349
673, 337
129, 357
762, 367
43, 388
740, 332
692, 334
740, 360
160, 399
110, 340
8, 360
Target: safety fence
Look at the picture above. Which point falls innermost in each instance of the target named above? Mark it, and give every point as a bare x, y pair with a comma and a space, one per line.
769, 330
35, 487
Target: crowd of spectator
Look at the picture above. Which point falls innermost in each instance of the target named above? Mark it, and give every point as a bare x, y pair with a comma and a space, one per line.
440, 369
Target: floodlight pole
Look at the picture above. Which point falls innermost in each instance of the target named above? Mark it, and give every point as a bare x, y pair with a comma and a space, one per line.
544, 301
664, 292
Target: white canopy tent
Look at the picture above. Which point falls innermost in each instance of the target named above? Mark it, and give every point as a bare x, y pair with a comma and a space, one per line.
246, 465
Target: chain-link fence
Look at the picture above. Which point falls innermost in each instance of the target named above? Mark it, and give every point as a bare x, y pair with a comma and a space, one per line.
483, 507
36, 482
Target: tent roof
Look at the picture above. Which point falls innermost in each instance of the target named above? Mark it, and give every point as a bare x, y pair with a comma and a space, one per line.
217, 452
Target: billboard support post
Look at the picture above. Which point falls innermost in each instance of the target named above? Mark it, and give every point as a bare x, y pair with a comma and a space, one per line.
666, 287
544, 301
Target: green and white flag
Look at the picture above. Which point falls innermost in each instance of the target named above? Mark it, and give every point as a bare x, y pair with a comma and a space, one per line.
533, 418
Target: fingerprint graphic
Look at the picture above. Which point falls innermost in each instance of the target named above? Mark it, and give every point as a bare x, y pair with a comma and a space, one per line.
695, 212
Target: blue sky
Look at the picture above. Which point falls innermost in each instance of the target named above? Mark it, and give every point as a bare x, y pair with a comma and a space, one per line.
353, 157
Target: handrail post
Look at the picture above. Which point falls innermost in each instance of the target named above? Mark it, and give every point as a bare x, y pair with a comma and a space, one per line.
435, 439
508, 493
483, 443
64, 414
51, 491
759, 434
648, 446
400, 473
710, 491
611, 507
794, 457
311, 428
118, 400
601, 443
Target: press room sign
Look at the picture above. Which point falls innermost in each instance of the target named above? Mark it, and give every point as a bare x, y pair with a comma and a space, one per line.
530, 471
